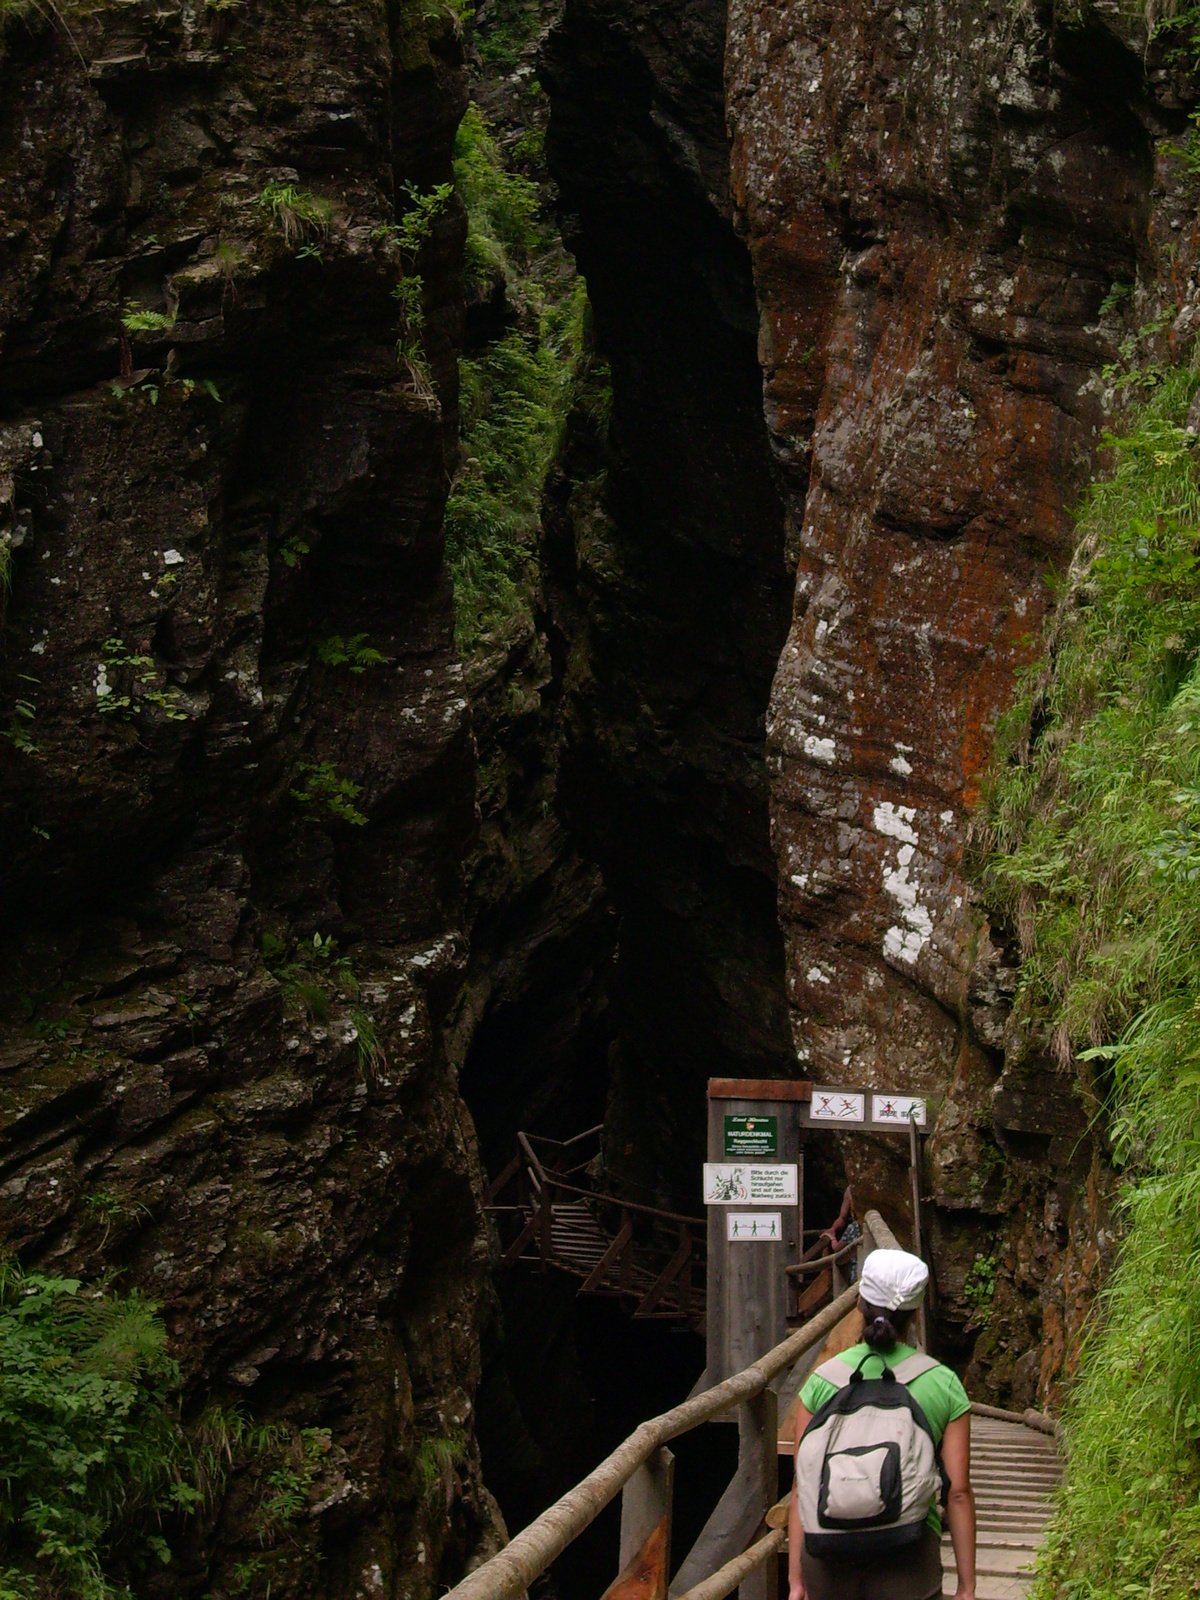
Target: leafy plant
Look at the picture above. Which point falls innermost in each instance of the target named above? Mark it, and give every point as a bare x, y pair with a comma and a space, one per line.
511, 25
436, 1459
135, 321
516, 395
322, 791
979, 1289
292, 550
135, 685
370, 1055
298, 214
353, 653
413, 233
20, 732
91, 1450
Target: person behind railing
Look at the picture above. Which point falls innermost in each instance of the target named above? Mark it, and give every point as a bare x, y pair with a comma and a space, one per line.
847, 1221
889, 1559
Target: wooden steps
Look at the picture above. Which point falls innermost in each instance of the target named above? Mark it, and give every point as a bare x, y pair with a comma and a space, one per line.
1015, 1472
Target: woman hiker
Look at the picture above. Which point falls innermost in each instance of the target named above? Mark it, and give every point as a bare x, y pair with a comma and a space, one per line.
866, 1473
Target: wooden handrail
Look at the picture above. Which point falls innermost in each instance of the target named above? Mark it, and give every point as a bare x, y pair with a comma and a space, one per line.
1038, 1420
565, 1144
819, 1263
727, 1578
511, 1570
523, 1141
626, 1205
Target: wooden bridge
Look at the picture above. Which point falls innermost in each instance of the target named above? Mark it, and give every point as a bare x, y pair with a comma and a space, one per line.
1015, 1468
549, 1214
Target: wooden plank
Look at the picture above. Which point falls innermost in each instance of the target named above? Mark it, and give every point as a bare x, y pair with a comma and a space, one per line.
646, 1504
519, 1243
596, 1277
665, 1278
645, 1578
501, 1181
758, 1089
815, 1293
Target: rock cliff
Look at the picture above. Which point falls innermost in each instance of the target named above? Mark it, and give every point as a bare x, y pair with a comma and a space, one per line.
238, 782
945, 209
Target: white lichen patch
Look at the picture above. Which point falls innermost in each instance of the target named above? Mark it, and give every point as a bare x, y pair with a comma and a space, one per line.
823, 750
903, 942
815, 975
103, 686
894, 821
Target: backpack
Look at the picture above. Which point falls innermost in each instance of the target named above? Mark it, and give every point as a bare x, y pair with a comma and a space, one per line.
867, 1469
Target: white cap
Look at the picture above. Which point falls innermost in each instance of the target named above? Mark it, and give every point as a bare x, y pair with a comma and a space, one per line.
893, 1280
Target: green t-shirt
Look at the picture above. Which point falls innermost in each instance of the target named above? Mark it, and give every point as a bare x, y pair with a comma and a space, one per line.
939, 1393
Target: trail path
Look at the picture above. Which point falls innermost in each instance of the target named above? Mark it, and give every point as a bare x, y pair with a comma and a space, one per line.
1015, 1472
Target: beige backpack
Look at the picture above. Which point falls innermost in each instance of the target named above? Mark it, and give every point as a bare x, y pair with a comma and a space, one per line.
867, 1469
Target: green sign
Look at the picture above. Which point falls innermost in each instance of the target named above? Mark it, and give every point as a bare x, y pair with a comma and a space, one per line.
751, 1136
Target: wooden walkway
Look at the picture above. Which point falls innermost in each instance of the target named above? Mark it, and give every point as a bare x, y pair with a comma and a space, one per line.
651, 1260
1015, 1471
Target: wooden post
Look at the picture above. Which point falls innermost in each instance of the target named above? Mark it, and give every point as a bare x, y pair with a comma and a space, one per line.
758, 1456
748, 1293
645, 1504
914, 1167
752, 1492
546, 1221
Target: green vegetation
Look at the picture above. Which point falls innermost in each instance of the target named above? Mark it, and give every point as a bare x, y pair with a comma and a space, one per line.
979, 1290
352, 653
91, 1450
517, 393
1091, 833
322, 794
433, 1469
133, 686
511, 25
412, 233
297, 214
135, 321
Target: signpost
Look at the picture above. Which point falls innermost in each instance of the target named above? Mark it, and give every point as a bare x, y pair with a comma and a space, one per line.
756, 1133
750, 1185
751, 1136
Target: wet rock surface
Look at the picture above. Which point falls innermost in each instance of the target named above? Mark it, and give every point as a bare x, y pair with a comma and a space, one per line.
938, 203
232, 846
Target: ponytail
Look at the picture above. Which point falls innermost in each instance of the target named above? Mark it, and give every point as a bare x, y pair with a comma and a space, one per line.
883, 1330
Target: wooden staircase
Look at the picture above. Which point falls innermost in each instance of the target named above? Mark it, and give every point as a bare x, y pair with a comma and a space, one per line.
1015, 1472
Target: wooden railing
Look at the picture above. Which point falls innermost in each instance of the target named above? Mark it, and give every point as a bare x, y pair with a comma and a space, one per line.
547, 1212
735, 1547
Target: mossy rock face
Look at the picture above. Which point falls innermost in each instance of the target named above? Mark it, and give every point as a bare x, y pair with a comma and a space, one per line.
211, 461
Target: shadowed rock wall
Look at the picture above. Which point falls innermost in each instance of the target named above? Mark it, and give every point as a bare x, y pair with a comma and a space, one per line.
194, 1092
665, 577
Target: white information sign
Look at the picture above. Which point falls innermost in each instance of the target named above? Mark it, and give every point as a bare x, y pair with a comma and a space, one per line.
754, 1227
897, 1108
745, 1184
836, 1105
